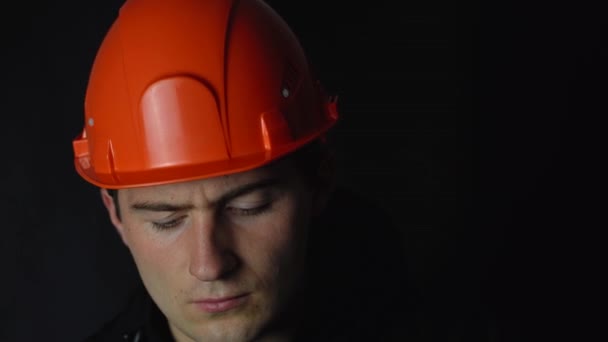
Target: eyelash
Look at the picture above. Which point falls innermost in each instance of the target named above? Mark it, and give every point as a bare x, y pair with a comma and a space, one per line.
250, 211
167, 225
238, 211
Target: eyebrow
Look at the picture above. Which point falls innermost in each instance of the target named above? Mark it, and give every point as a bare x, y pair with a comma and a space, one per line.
226, 197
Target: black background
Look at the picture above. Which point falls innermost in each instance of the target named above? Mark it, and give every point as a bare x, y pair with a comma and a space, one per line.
477, 126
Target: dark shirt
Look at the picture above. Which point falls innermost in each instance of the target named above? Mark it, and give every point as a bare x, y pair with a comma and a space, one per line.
356, 288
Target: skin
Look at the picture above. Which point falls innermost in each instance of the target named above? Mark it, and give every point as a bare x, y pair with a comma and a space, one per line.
240, 234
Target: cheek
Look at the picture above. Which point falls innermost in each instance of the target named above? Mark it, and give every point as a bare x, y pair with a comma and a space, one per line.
274, 248
150, 253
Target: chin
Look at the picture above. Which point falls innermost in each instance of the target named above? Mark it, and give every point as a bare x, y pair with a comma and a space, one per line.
229, 330
243, 325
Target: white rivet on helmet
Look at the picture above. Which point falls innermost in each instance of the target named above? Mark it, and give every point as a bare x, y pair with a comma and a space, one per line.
91, 121
285, 92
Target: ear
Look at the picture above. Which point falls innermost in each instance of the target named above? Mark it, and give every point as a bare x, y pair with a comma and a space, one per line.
108, 202
326, 174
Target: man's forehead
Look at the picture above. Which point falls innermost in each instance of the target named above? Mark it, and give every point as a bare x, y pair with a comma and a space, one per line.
210, 187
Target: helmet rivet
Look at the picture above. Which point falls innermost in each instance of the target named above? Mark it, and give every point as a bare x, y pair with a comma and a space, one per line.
91, 122
285, 92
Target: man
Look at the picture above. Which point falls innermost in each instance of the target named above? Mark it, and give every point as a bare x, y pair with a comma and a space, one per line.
206, 131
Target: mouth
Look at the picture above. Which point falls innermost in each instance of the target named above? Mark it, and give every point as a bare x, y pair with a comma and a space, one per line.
215, 305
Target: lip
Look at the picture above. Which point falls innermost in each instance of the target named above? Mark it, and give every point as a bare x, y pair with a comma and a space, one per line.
215, 305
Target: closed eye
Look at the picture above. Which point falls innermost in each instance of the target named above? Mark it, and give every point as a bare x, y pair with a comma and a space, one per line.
233, 210
168, 224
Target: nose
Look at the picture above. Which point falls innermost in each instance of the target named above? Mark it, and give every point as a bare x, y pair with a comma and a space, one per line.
211, 256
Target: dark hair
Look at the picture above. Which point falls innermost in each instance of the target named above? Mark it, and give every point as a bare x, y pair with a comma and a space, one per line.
310, 160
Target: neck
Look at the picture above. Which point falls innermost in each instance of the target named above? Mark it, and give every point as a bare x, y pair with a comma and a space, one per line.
275, 337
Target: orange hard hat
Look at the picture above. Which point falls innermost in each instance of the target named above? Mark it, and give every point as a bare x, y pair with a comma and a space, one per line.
189, 89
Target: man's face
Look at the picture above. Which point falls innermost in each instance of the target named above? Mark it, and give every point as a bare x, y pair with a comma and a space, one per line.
219, 256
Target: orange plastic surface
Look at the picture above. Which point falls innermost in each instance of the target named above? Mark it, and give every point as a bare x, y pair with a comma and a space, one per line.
187, 89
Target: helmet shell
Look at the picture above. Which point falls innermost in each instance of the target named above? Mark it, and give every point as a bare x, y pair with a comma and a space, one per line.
188, 89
